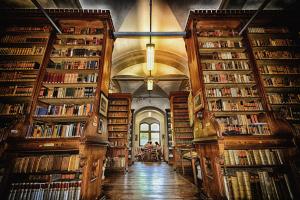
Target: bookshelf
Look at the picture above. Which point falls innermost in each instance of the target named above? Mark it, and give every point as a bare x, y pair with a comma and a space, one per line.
241, 142
276, 54
58, 147
182, 135
119, 120
131, 139
170, 156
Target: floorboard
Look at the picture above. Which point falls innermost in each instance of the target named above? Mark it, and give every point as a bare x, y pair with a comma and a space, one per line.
149, 181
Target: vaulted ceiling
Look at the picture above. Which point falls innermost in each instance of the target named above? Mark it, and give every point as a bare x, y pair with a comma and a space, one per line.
128, 72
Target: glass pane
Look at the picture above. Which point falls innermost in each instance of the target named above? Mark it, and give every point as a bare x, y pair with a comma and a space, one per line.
143, 138
144, 127
154, 138
155, 127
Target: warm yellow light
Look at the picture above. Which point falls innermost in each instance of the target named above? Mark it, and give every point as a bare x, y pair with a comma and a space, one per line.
150, 56
149, 114
149, 84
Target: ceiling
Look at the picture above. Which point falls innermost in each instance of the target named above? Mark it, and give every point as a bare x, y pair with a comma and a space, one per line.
128, 71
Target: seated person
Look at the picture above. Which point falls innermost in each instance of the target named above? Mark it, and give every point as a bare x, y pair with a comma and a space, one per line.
148, 150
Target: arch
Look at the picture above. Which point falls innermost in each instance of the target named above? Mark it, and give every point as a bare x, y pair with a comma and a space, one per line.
146, 108
137, 57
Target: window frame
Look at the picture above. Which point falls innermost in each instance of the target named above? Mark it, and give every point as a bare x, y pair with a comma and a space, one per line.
149, 131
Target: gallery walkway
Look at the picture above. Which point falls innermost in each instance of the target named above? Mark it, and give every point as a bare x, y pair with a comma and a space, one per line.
145, 181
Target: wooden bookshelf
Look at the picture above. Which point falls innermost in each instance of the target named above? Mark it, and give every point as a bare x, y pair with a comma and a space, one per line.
119, 122
131, 139
65, 74
240, 141
182, 132
170, 156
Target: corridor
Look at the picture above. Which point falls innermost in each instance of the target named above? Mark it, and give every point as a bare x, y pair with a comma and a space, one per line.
149, 181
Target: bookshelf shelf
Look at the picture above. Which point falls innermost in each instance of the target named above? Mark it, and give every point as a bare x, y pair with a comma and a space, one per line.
81, 71
51, 85
61, 118
80, 36
119, 131
66, 46
66, 100
212, 50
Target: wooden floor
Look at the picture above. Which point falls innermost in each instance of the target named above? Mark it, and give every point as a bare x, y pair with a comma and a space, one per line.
149, 181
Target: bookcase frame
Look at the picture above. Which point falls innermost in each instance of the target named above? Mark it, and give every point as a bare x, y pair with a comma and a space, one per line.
91, 146
209, 143
127, 116
180, 113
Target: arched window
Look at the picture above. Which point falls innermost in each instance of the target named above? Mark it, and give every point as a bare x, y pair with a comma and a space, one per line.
149, 132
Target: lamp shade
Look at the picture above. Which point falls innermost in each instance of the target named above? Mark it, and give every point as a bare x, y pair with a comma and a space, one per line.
149, 84
150, 56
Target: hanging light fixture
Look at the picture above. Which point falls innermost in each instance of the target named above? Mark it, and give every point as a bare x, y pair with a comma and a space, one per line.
150, 47
150, 84
150, 56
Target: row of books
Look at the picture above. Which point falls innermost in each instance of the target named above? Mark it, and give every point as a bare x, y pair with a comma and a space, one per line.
261, 185
28, 29
224, 55
183, 129
179, 106
234, 105
46, 163
46, 191
118, 102
117, 108
77, 41
242, 125
238, 120
232, 130
221, 44
65, 110
117, 162
77, 30
70, 78
56, 130
267, 30
272, 42
228, 78
284, 98
231, 92
117, 121
279, 69
10, 109
17, 90
184, 135
117, 115
118, 128
217, 33
57, 92
253, 157
228, 65
281, 81
273, 54
74, 53
183, 142
19, 65
117, 134
17, 75
118, 143
3, 136
34, 50
93, 64
22, 39
289, 112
